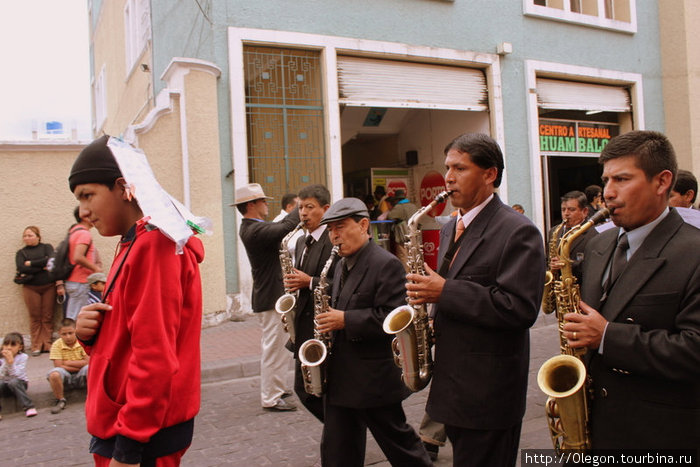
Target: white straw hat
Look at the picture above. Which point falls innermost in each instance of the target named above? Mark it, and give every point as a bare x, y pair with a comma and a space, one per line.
249, 192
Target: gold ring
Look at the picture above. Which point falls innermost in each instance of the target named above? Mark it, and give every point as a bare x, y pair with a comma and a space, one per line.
574, 335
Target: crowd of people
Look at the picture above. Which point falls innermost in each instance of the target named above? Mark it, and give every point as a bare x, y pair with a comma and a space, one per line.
638, 319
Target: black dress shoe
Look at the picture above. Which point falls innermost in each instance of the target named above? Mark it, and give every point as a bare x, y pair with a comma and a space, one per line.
281, 406
432, 450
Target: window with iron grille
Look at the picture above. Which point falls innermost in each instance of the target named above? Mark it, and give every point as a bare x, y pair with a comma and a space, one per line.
284, 115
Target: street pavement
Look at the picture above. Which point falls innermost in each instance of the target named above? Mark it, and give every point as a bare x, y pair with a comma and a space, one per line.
231, 428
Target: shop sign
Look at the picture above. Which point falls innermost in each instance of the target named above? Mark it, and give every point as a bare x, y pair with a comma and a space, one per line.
575, 137
432, 184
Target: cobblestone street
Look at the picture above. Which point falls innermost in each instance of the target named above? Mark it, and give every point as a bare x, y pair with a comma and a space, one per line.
233, 430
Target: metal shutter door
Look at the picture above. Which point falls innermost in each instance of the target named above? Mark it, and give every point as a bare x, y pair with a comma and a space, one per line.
370, 82
561, 95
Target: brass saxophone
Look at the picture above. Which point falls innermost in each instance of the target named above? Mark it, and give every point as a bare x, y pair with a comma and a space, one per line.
563, 377
410, 323
313, 352
286, 304
549, 300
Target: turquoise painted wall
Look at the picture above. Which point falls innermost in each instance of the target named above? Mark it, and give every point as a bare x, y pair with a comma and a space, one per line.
182, 29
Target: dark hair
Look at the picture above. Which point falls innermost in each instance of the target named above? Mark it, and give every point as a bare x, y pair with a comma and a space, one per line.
379, 189
287, 200
578, 196
36, 231
685, 180
652, 151
483, 151
76, 214
319, 192
13, 338
592, 191
67, 323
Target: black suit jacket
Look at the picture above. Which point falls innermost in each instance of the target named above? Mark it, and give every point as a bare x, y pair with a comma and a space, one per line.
647, 381
576, 252
317, 257
262, 242
361, 371
490, 299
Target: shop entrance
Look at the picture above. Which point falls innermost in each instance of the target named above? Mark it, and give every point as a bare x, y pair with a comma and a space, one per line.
565, 174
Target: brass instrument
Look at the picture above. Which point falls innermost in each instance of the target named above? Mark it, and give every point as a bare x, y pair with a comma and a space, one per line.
549, 300
313, 352
410, 323
563, 377
286, 304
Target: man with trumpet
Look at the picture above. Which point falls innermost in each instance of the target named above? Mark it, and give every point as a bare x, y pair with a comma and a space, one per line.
487, 295
640, 308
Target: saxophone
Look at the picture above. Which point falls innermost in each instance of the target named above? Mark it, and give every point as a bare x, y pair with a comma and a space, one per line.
563, 377
410, 323
286, 304
313, 352
549, 300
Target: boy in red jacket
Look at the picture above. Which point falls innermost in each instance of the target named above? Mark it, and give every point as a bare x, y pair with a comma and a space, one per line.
143, 341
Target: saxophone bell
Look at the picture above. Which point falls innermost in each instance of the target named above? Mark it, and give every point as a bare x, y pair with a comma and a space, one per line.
286, 304
312, 355
401, 323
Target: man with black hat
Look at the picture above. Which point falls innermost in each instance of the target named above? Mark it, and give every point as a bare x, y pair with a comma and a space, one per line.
262, 242
143, 340
364, 387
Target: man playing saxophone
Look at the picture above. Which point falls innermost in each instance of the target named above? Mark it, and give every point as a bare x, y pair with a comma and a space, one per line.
487, 295
574, 210
364, 388
640, 305
312, 251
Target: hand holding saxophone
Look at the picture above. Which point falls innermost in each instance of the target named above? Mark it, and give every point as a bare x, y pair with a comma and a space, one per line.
332, 320
296, 280
426, 288
584, 329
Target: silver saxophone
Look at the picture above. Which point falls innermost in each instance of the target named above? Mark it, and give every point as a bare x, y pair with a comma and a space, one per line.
410, 323
286, 304
313, 352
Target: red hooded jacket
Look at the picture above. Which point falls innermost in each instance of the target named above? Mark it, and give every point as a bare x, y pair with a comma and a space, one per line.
144, 370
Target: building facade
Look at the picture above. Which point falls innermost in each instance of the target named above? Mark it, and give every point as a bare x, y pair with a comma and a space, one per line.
222, 93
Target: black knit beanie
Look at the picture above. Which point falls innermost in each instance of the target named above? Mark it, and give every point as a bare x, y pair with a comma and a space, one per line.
94, 164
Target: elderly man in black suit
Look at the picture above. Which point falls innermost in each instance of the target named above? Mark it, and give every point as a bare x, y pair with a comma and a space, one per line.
574, 210
364, 387
640, 305
487, 296
312, 252
262, 242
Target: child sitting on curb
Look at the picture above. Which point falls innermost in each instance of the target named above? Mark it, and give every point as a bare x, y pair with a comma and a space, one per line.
70, 364
13, 371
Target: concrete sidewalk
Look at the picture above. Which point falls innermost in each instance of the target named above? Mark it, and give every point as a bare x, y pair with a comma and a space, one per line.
229, 350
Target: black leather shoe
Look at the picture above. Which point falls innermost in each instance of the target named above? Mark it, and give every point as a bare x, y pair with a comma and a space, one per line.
281, 406
432, 450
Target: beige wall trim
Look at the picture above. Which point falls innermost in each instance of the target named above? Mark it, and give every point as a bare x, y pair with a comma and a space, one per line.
174, 76
535, 69
30, 146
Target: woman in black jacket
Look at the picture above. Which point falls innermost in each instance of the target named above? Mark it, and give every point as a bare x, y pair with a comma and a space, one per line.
39, 291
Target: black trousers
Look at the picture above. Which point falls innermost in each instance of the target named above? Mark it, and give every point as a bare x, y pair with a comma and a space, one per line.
312, 403
345, 436
484, 448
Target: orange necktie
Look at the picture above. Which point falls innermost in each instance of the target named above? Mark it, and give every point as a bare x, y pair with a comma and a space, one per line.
460, 231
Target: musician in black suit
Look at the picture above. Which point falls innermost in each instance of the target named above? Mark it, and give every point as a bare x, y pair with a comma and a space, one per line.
312, 252
641, 305
574, 211
487, 296
262, 242
364, 387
